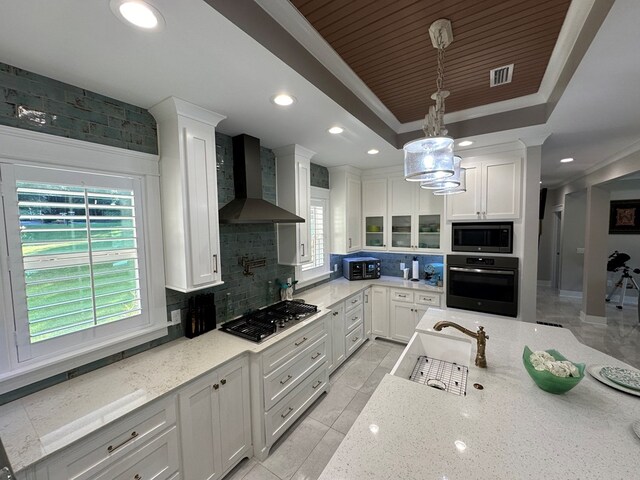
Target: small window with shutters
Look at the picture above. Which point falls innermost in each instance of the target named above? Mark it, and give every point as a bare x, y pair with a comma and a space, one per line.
76, 258
318, 223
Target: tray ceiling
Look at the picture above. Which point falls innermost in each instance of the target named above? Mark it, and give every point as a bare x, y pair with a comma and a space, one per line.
386, 43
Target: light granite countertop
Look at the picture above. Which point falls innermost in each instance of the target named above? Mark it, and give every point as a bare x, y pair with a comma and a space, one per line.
31, 431
509, 430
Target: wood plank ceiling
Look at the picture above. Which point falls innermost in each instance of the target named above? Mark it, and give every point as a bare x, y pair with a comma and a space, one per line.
386, 43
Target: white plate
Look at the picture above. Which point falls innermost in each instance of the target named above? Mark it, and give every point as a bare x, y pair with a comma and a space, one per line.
594, 371
622, 376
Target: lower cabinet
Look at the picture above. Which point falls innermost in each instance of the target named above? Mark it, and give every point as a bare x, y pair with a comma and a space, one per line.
337, 332
142, 445
215, 421
367, 312
379, 311
287, 378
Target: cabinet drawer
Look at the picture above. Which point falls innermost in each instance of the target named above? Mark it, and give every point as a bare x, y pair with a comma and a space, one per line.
402, 296
292, 406
428, 299
110, 446
353, 318
157, 460
288, 348
353, 301
355, 339
281, 381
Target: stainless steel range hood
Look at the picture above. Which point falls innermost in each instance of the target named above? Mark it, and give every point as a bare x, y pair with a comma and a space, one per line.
249, 206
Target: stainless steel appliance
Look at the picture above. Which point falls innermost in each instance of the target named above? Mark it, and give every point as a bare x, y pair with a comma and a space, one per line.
261, 324
492, 237
483, 284
360, 268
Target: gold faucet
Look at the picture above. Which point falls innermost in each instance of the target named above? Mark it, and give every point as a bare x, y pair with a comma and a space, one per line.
480, 336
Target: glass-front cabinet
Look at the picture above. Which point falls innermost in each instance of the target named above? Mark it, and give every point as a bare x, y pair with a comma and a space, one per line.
374, 231
401, 231
429, 231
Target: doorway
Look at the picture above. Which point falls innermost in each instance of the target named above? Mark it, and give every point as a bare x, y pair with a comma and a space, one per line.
557, 249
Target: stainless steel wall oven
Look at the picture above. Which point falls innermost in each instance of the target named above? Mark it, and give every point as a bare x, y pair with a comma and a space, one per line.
483, 284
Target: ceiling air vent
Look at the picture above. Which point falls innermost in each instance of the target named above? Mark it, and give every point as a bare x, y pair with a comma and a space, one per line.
500, 75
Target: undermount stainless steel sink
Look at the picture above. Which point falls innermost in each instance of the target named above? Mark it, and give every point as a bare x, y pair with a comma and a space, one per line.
437, 360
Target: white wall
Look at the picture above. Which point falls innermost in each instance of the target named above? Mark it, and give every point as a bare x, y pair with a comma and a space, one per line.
545, 247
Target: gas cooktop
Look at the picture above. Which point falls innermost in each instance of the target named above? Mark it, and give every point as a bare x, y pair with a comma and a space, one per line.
261, 324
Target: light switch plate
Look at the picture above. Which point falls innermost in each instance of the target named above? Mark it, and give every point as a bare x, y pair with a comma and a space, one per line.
176, 317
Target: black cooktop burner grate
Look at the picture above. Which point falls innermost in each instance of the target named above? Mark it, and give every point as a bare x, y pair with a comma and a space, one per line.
258, 325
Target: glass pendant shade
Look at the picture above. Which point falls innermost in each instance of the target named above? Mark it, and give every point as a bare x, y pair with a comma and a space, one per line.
428, 159
459, 189
452, 181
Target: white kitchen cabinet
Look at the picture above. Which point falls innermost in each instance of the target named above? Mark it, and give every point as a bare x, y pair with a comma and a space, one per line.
293, 167
414, 216
337, 337
346, 209
368, 310
354, 323
215, 421
380, 311
145, 442
189, 194
374, 213
402, 321
493, 190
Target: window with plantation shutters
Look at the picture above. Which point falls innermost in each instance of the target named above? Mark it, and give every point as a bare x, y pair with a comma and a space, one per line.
318, 223
75, 257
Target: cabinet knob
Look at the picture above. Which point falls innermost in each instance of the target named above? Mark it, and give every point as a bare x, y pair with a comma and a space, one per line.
223, 381
137, 477
216, 386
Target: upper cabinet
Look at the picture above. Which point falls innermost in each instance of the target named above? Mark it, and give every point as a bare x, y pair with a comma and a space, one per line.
415, 216
374, 213
189, 194
293, 164
493, 191
346, 209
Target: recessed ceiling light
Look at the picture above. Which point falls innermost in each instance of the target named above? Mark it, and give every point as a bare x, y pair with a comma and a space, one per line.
138, 13
373, 151
336, 130
465, 143
566, 160
283, 100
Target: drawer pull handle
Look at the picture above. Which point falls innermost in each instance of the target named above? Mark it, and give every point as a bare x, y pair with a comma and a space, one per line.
112, 449
137, 477
285, 415
402, 296
355, 318
316, 356
289, 377
355, 340
216, 386
304, 339
317, 384
223, 381
335, 313
354, 301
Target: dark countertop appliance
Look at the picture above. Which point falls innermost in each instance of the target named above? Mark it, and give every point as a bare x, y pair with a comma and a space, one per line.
486, 237
261, 324
360, 268
483, 284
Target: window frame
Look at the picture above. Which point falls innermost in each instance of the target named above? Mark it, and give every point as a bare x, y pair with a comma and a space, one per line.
308, 277
26, 148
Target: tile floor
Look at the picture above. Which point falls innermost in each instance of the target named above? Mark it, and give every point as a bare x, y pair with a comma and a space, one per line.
306, 448
303, 452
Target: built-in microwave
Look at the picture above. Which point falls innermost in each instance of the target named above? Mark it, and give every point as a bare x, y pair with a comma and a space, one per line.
360, 268
492, 237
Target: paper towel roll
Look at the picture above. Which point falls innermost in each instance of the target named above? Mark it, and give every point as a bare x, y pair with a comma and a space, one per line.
416, 270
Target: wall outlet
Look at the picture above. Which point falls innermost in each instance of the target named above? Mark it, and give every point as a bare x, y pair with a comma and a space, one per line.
402, 266
289, 281
580, 250
335, 267
176, 316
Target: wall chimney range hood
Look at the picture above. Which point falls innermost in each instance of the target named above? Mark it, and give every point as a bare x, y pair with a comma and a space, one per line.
249, 206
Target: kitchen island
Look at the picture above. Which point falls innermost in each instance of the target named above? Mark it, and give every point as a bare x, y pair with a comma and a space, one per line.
509, 430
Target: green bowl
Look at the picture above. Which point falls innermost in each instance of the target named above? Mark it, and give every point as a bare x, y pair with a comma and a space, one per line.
547, 381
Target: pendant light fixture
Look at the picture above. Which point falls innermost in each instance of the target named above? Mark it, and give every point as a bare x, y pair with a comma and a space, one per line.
448, 182
431, 158
461, 188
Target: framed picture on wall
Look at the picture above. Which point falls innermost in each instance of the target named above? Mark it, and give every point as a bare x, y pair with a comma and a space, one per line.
624, 216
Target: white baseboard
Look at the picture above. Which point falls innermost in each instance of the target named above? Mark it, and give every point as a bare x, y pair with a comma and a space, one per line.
544, 283
593, 319
570, 293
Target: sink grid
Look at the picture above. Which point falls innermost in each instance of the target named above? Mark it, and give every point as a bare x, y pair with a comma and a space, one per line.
442, 375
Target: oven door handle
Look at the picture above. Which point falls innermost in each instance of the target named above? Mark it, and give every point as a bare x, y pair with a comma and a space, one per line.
482, 270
